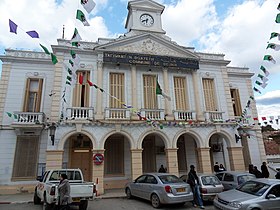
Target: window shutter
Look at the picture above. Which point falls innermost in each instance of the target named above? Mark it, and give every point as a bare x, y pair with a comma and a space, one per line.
180, 93
26, 97
150, 97
209, 94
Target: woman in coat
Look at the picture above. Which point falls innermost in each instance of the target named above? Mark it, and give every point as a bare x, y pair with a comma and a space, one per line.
64, 198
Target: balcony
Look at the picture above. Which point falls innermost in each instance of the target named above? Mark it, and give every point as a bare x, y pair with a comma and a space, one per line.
214, 116
153, 114
80, 113
184, 115
30, 118
117, 114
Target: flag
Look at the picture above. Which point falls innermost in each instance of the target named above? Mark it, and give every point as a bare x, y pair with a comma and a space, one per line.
274, 34
258, 83
75, 44
33, 34
15, 116
273, 46
9, 114
252, 97
76, 36
263, 85
278, 6
88, 5
269, 58
13, 27
277, 20
263, 118
263, 78
69, 71
158, 89
255, 118
255, 89
71, 62
90, 83
69, 78
68, 83
75, 57
264, 70
81, 79
45, 49
277, 121
271, 117
54, 59
80, 16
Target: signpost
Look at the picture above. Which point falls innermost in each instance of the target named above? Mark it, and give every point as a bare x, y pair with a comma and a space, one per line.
98, 159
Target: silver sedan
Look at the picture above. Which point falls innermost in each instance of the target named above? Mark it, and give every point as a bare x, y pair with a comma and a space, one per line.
160, 188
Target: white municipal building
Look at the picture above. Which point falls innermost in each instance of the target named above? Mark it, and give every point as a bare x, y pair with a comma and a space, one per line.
54, 125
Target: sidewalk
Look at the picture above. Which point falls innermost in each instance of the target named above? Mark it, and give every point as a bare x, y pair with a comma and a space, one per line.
28, 197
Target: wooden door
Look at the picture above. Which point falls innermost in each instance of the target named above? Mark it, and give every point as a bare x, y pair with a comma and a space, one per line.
83, 161
149, 155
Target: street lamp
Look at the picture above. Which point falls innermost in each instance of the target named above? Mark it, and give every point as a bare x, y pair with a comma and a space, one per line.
52, 128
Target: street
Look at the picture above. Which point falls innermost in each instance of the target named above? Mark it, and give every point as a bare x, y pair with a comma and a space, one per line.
109, 204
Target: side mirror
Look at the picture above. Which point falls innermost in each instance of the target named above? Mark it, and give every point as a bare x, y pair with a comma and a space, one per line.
271, 196
39, 178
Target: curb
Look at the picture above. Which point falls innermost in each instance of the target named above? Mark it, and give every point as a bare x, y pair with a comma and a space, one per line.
15, 202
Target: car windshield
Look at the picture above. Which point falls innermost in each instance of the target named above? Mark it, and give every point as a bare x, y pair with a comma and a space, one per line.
244, 178
210, 180
253, 188
167, 179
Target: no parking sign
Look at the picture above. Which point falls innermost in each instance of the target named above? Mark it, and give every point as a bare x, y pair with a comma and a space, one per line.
98, 159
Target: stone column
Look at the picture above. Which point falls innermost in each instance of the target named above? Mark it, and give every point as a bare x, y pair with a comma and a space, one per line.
54, 159
172, 161
166, 91
99, 101
136, 163
199, 115
204, 161
5, 76
134, 91
236, 158
98, 173
56, 87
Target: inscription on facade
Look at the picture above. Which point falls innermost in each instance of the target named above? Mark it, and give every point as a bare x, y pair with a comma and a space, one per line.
150, 60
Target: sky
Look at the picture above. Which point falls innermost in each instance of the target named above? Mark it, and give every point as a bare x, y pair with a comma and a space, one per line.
240, 29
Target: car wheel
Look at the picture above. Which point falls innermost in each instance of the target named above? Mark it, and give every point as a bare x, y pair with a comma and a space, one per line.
128, 193
36, 199
83, 205
255, 209
47, 205
155, 201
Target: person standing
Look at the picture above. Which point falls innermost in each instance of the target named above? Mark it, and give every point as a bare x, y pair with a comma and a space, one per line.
251, 168
257, 173
64, 198
162, 169
222, 168
216, 167
277, 175
264, 170
194, 184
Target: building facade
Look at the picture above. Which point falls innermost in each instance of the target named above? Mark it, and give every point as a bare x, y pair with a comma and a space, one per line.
138, 101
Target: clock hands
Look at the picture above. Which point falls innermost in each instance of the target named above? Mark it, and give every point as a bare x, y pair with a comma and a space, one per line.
146, 20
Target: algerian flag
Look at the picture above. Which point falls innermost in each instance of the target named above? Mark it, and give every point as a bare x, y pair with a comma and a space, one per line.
9, 114
69, 78
159, 92
54, 59
68, 83
263, 78
278, 6
69, 71
80, 16
75, 57
258, 83
88, 5
75, 44
263, 85
277, 20
273, 46
76, 36
255, 89
264, 71
269, 58
45, 49
274, 34
71, 63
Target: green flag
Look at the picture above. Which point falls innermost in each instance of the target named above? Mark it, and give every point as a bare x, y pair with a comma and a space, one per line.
274, 34
68, 83
158, 89
264, 71
277, 18
258, 83
54, 59
269, 58
273, 46
81, 16
9, 114
69, 71
15, 116
69, 78
45, 49
75, 44
76, 36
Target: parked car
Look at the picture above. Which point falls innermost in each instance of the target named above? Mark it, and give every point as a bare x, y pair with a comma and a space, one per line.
257, 194
210, 185
159, 188
80, 191
231, 179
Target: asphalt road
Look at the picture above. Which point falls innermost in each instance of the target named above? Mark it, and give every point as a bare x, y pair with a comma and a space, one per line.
110, 204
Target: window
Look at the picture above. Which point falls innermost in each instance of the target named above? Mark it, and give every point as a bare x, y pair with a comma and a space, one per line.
209, 94
26, 155
116, 89
33, 95
81, 90
180, 93
150, 98
228, 178
275, 191
141, 179
151, 180
236, 102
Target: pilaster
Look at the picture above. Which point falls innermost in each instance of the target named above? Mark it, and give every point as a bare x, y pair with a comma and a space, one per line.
134, 91
172, 161
166, 91
99, 101
204, 160
136, 163
54, 159
236, 159
5, 76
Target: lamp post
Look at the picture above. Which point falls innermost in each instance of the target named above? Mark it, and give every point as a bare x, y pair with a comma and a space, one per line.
52, 128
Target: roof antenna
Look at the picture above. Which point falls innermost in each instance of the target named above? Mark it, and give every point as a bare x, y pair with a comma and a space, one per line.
63, 32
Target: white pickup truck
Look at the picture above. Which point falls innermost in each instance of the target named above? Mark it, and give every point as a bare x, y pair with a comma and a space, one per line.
80, 191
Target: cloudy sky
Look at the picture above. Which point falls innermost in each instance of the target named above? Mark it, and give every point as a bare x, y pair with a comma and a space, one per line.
240, 29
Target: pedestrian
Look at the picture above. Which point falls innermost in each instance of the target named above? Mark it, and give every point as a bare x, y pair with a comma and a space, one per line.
222, 168
194, 184
64, 198
251, 168
216, 167
162, 169
264, 170
257, 173
277, 175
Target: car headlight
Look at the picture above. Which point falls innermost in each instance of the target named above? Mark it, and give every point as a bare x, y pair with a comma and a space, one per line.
235, 204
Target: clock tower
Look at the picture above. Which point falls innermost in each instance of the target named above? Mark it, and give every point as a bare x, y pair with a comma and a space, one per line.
144, 15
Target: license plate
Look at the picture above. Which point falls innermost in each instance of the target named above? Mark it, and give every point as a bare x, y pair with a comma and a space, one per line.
181, 189
76, 199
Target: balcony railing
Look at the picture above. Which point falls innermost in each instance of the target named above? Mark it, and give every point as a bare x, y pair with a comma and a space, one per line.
80, 113
184, 115
29, 117
153, 114
117, 114
214, 116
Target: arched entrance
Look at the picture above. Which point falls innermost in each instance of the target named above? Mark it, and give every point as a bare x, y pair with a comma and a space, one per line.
218, 151
153, 155
187, 153
79, 149
117, 161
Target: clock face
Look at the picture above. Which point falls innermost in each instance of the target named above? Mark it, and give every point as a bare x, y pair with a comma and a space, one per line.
146, 20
